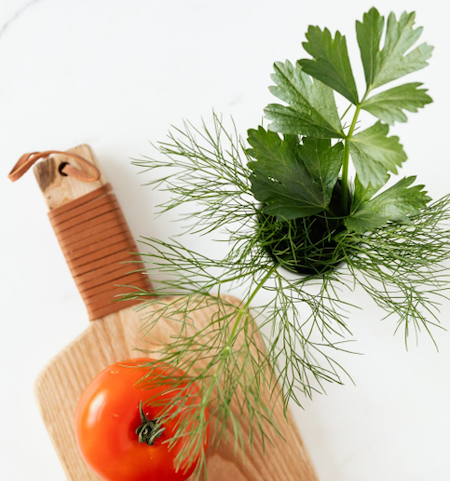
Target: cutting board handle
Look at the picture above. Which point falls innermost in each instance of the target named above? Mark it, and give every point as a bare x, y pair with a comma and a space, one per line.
110, 340
90, 227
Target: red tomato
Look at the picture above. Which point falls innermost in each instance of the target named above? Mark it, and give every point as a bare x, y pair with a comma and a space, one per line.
108, 416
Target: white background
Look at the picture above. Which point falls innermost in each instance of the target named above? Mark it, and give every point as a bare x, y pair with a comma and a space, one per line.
115, 74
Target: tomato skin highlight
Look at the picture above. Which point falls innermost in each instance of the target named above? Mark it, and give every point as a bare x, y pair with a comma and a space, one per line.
106, 420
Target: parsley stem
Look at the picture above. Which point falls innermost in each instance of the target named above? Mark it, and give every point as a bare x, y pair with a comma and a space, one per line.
346, 112
346, 157
344, 184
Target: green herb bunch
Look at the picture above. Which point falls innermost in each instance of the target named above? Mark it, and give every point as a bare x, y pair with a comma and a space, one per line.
299, 229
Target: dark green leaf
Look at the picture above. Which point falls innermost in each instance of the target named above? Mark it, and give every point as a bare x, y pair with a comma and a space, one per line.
323, 162
280, 179
393, 62
362, 194
330, 63
389, 106
375, 154
394, 204
312, 109
369, 33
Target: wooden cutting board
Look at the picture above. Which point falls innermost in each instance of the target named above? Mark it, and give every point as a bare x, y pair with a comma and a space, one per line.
114, 337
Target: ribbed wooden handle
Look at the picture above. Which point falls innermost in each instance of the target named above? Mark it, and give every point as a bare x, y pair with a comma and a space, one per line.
92, 232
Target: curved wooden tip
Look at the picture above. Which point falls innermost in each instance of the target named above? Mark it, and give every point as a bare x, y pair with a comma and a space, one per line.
58, 189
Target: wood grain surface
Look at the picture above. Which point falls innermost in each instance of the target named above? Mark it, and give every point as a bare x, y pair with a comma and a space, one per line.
116, 337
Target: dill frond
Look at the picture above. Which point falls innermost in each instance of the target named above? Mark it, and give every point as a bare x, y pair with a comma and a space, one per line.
302, 319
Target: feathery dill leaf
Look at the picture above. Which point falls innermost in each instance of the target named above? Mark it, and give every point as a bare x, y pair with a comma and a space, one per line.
299, 232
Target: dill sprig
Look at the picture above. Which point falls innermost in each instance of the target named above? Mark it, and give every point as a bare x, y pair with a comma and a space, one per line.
299, 232
303, 319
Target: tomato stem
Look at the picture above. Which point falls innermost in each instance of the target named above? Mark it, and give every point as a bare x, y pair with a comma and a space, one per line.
150, 430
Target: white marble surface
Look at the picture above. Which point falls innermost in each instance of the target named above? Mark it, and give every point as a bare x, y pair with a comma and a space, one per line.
115, 74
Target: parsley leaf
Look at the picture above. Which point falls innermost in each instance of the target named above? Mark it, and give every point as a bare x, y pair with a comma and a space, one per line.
280, 179
330, 63
296, 179
389, 105
369, 34
312, 109
323, 162
375, 154
392, 62
394, 204
362, 194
